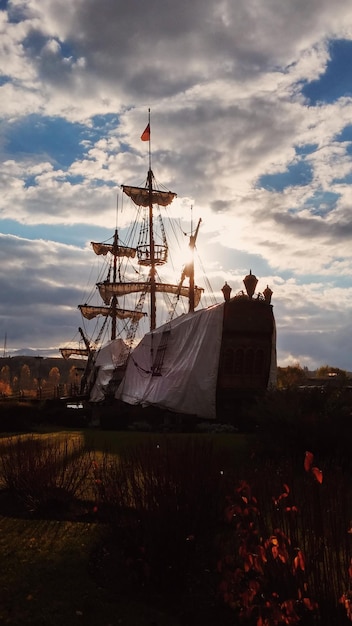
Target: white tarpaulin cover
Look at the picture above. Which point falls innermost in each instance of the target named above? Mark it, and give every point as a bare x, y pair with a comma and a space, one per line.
184, 356
112, 355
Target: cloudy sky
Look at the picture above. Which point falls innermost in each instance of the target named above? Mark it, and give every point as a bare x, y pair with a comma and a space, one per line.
251, 105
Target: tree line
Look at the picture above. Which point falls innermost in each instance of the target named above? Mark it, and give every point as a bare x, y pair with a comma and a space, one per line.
31, 377
296, 376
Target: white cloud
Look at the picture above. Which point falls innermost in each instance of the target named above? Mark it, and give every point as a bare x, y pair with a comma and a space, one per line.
224, 84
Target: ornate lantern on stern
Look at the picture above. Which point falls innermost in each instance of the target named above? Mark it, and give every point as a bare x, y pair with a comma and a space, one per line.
250, 283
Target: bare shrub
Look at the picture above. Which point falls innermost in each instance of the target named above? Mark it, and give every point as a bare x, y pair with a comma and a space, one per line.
44, 473
172, 491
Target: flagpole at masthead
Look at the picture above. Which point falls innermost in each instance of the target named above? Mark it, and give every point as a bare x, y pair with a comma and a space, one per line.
150, 142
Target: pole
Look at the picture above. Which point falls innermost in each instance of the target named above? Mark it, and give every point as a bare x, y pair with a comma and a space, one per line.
192, 243
151, 238
152, 255
114, 298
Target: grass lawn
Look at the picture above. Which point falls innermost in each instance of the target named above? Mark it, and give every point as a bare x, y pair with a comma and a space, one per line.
160, 537
45, 573
45, 579
115, 441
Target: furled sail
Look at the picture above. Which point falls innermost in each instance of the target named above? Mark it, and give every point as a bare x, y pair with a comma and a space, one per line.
104, 248
107, 290
141, 196
89, 312
67, 352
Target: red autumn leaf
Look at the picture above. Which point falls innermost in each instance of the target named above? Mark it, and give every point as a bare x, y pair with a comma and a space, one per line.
318, 474
298, 562
284, 494
248, 563
275, 551
308, 461
310, 604
291, 509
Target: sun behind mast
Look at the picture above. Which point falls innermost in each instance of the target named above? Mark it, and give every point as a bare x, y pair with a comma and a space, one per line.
149, 253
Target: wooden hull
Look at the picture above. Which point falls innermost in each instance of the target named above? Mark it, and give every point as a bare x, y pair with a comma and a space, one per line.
247, 345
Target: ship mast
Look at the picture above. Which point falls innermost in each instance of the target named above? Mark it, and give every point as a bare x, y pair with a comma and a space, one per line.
151, 235
150, 253
114, 298
192, 244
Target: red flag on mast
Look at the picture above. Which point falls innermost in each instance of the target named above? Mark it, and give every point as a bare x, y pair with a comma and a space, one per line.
145, 136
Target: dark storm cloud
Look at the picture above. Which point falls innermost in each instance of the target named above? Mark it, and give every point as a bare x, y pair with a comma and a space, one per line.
163, 48
36, 287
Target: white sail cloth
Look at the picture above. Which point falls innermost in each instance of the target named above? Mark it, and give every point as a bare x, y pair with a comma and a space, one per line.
110, 356
176, 366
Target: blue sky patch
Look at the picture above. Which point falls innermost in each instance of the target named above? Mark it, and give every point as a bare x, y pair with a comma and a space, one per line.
34, 42
105, 122
322, 203
336, 82
346, 180
54, 139
29, 182
67, 51
349, 148
76, 235
346, 134
297, 174
308, 148
75, 180
16, 13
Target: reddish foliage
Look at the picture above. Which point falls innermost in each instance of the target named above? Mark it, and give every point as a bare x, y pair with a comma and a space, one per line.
308, 466
298, 562
345, 600
308, 461
318, 474
262, 579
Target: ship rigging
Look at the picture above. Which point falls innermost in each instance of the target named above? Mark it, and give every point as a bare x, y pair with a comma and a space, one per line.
147, 248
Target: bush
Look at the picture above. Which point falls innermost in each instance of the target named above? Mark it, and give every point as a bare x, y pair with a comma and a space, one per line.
216, 428
276, 546
292, 420
284, 551
18, 417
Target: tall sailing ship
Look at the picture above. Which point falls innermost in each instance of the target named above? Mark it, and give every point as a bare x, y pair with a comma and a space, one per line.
149, 251
203, 363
